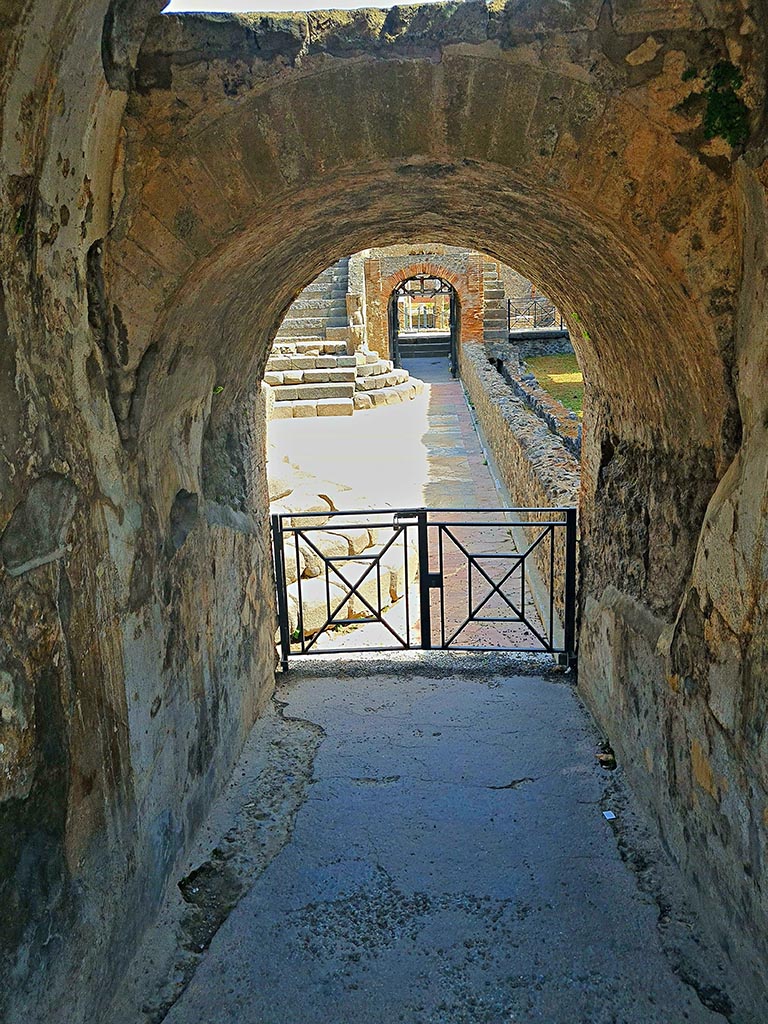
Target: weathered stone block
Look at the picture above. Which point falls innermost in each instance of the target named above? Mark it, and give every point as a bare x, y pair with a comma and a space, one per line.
318, 545
335, 407
320, 392
278, 487
314, 603
304, 408
357, 539
303, 500
303, 362
282, 411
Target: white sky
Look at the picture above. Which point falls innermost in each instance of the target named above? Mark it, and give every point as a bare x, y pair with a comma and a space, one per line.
232, 6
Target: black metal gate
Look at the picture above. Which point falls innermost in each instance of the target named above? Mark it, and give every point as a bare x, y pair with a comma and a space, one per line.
459, 579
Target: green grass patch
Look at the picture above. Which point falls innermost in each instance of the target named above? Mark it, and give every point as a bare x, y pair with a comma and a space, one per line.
561, 377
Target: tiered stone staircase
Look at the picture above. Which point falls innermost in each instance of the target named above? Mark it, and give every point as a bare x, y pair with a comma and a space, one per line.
495, 324
314, 368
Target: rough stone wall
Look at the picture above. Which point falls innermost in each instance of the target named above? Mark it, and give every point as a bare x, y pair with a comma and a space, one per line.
146, 264
134, 650
356, 305
384, 272
515, 285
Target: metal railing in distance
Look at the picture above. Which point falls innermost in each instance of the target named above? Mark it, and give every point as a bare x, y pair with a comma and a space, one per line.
417, 579
534, 314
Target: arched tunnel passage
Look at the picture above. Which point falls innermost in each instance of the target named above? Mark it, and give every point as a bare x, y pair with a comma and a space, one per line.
595, 176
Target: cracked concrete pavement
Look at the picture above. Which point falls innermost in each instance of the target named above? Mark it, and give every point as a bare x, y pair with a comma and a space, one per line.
425, 843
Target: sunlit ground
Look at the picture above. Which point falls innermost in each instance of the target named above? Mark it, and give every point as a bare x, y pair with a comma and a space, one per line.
250, 6
562, 378
378, 453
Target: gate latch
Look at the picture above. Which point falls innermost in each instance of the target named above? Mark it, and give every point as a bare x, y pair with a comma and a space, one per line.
406, 514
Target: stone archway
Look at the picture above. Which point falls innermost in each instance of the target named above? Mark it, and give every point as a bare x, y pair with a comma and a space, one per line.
149, 260
380, 287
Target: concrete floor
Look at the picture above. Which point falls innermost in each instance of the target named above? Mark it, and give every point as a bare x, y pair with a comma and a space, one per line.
440, 857
421, 839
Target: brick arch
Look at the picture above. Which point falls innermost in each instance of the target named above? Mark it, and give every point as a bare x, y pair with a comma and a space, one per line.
468, 287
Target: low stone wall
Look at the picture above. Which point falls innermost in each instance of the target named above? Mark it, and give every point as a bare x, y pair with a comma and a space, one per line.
534, 465
529, 348
556, 416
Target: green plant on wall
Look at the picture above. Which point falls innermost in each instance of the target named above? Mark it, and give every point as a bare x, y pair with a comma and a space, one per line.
574, 317
726, 115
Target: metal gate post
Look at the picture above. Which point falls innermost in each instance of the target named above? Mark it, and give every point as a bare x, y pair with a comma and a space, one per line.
424, 580
282, 599
570, 584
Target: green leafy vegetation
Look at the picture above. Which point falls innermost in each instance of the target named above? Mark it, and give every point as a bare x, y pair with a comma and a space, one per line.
561, 377
727, 115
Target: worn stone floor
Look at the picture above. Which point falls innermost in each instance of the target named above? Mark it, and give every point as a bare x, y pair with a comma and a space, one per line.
422, 840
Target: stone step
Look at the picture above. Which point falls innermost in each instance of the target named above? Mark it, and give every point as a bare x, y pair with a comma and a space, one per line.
306, 408
281, 363
308, 334
425, 353
390, 395
420, 348
331, 277
337, 333
301, 346
317, 307
383, 380
309, 323
277, 378
325, 289
313, 392
372, 369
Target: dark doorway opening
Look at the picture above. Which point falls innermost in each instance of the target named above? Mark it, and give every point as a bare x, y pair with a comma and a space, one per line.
423, 319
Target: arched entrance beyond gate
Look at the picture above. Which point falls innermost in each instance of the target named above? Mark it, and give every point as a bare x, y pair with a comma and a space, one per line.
423, 320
